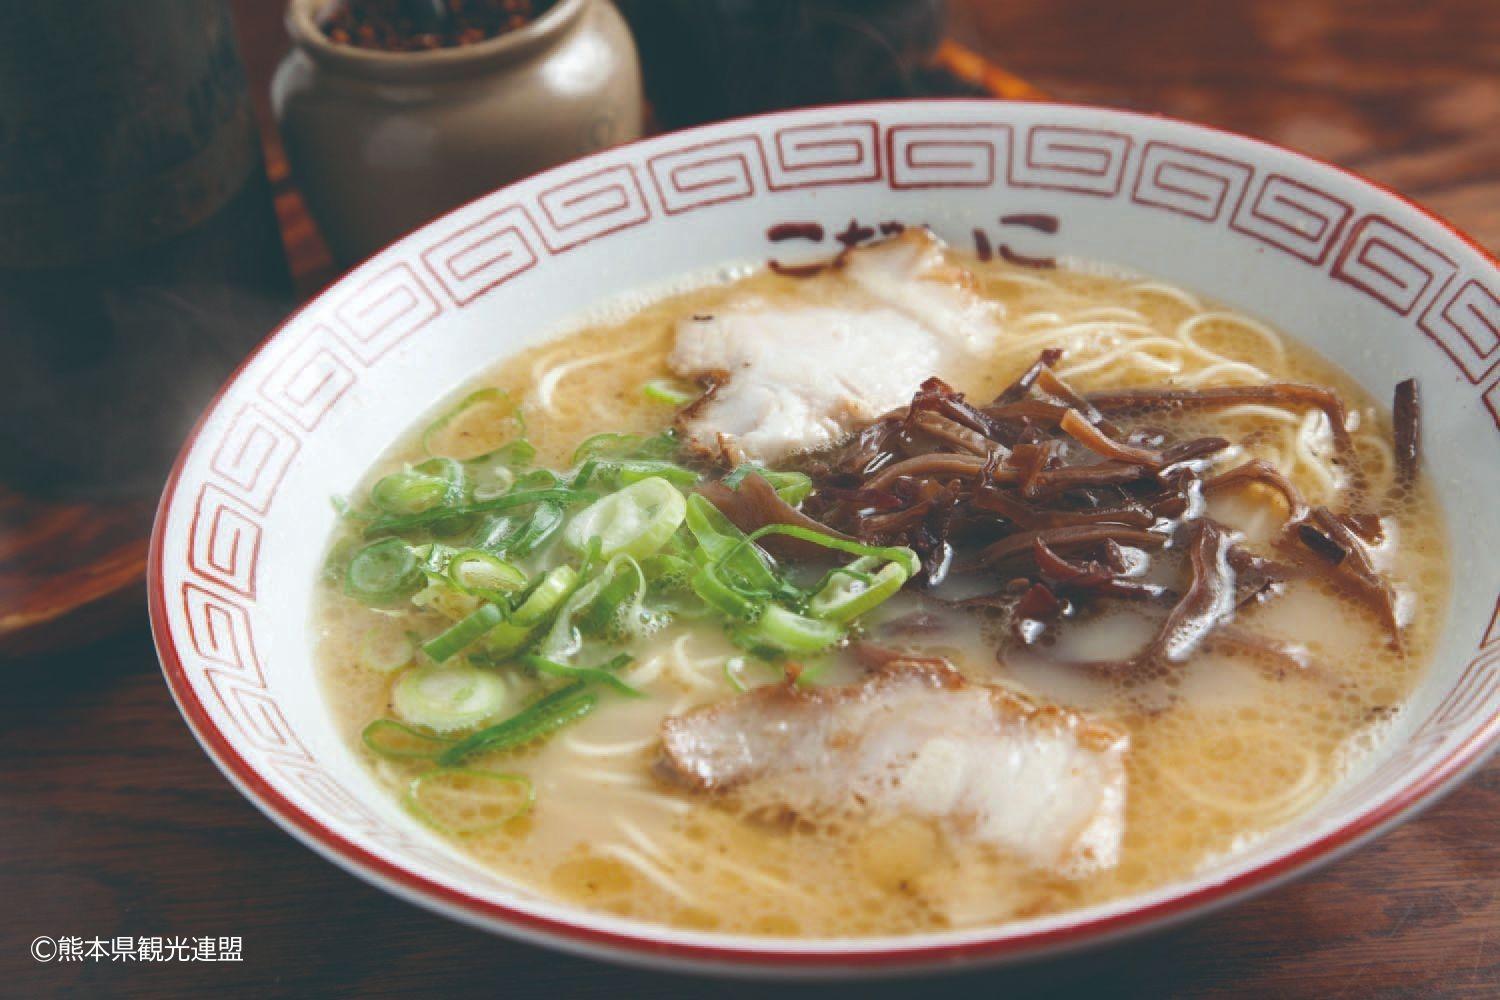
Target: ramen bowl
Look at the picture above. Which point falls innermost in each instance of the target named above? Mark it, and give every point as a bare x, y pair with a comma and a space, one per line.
1356, 272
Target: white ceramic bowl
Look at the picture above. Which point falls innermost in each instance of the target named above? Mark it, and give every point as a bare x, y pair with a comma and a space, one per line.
1362, 275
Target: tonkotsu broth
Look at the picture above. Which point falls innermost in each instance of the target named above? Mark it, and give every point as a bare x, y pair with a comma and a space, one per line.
1238, 753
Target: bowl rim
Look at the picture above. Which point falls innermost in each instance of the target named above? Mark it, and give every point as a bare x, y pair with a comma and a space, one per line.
653, 945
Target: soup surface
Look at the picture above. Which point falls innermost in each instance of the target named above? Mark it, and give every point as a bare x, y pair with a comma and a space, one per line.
1219, 734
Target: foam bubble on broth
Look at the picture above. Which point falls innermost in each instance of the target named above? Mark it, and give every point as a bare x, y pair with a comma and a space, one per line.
1237, 755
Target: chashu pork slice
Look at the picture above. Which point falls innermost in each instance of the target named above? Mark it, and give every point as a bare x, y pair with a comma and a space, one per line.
793, 375
913, 275
916, 739
797, 379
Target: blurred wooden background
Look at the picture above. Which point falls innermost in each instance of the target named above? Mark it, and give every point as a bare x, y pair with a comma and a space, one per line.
112, 822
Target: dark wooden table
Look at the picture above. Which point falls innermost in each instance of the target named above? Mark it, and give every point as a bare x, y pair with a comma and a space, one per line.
113, 823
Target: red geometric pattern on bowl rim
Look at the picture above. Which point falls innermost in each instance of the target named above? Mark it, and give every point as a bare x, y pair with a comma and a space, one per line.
947, 154
709, 173
1466, 325
384, 310
1071, 158
1384, 260
1295, 217
310, 380
838, 153
483, 255
1189, 181
583, 209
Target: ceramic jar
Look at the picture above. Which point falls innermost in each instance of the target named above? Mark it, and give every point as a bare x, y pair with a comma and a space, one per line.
381, 142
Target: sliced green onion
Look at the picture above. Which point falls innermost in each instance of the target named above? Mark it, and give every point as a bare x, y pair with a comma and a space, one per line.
440, 796
709, 584
716, 534
336, 563
539, 479
446, 469
510, 501
494, 535
629, 471
436, 483
447, 600
608, 443
602, 674
448, 697
516, 455
666, 572
473, 399
398, 741
409, 492
669, 580
619, 611
546, 519
485, 574
849, 594
385, 649
565, 637
453, 527
491, 481
669, 392
383, 572
627, 446
463, 633
555, 586
726, 544
796, 633
545, 598
664, 445
793, 487
898, 554
739, 472
539, 719
621, 580
781, 631
636, 521
433, 556
585, 474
